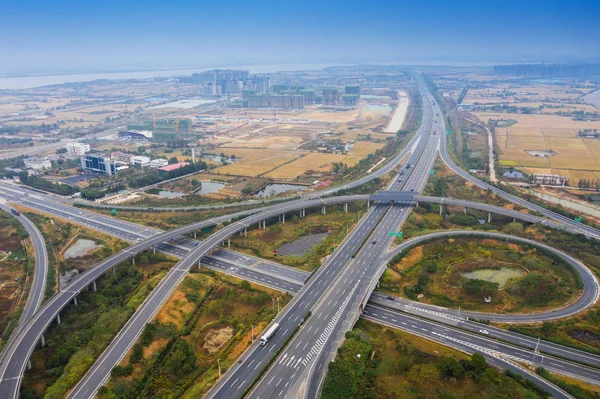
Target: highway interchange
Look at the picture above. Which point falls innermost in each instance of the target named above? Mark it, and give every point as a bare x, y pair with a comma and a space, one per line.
333, 294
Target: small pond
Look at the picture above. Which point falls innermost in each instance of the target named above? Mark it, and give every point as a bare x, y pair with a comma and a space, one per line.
541, 153
209, 187
81, 247
277, 188
500, 276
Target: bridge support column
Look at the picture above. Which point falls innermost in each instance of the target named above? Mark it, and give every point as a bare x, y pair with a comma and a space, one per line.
245, 232
94, 286
465, 210
228, 241
489, 217
133, 260
264, 224
42, 341
441, 209
29, 365
368, 204
153, 250
283, 218
303, 213
345, 207
324, 210
58, 318
75, 301
194, 234
114, 269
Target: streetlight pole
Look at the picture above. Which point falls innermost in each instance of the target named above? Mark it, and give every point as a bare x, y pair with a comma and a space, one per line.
252, 332
219, 363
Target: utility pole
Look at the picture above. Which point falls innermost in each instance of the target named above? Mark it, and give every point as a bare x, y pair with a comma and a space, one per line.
219, 363
252, 332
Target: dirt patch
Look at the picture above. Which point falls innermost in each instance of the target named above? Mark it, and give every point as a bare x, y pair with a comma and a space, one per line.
412, 258
216, 338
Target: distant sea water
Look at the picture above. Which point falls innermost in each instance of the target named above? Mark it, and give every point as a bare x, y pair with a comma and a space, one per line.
25, 82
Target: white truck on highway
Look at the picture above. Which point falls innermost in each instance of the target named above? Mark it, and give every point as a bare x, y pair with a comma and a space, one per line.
269, 334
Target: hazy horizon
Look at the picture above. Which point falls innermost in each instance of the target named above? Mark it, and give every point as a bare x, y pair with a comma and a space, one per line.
76, 37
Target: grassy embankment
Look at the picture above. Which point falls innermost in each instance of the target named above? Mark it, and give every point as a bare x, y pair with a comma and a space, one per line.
16, 270
262, 242
394, 364
434, 273
88, 328
209, 317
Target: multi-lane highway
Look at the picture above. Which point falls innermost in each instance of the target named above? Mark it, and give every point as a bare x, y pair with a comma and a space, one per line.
331, 295
334, 293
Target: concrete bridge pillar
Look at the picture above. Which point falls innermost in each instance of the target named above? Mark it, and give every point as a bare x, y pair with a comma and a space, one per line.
345, 207
153, 250
133, 260
368, 204
489, 217
465, 210
194, 234
199, 264
228, 241
58, 318
42, 341
75, 300
29, 365
264, 224
283, 218
94, 288
441, 209
303, 213
245, 232
324, 210
300, 213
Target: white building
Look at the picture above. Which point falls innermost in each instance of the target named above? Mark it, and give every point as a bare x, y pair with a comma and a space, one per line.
550, 180
158, 163
37, 164
140, 160
78, 149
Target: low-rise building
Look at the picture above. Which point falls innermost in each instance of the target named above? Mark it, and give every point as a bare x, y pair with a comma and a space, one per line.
550, 180
513, 174
170, 168
158, 163
77, 149
98, 163
119, 156
140, 160
37, 164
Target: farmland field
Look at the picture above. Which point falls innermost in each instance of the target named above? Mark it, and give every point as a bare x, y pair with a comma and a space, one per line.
575, 157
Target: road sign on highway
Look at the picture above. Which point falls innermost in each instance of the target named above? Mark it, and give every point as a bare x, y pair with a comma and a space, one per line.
392, 234
399, 234
448, 133
431, 172
577, 220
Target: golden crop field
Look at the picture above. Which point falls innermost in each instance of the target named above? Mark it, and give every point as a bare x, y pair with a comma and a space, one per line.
574, 157
254, 162
318, 162
363, 148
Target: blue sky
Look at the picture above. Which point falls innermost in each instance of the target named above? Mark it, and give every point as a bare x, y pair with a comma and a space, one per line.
95, 34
